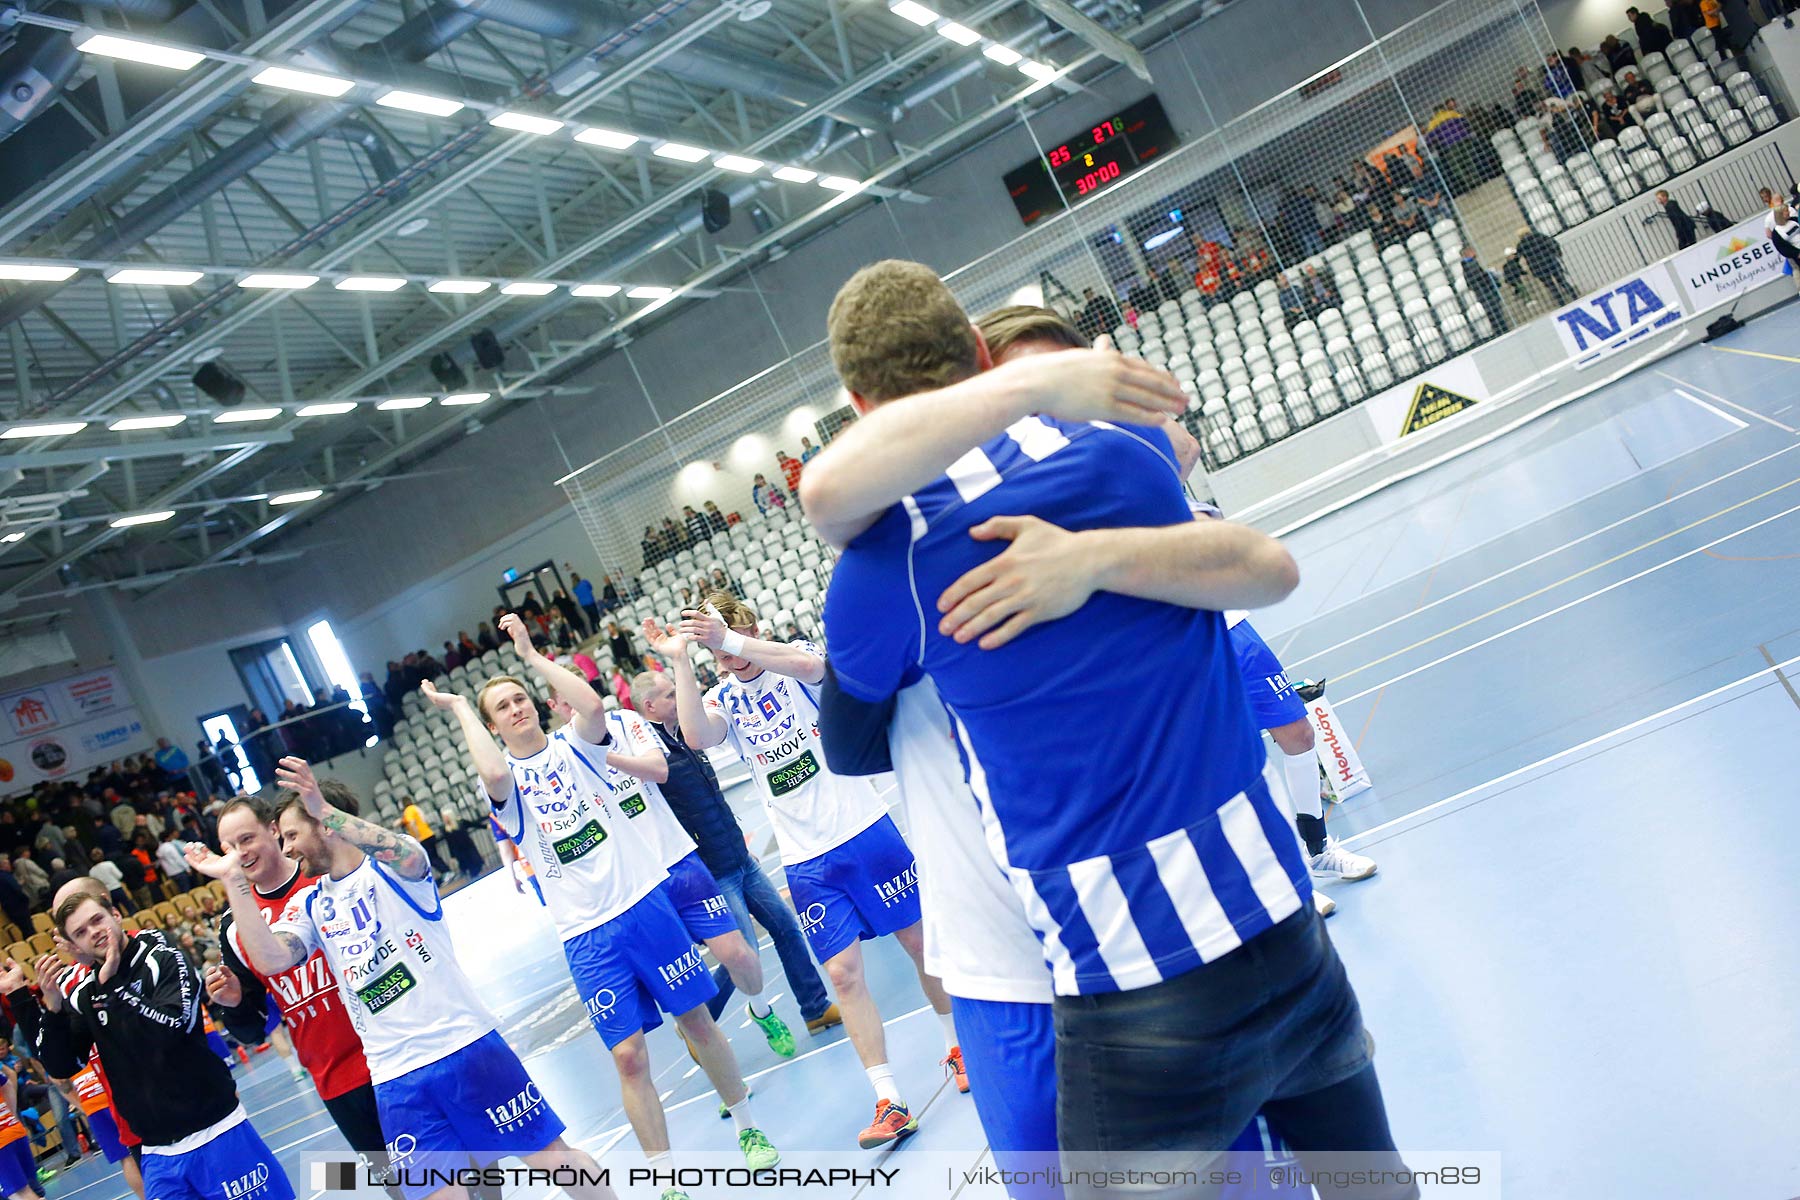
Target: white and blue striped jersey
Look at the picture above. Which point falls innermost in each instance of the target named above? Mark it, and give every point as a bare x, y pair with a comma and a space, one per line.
1111, 752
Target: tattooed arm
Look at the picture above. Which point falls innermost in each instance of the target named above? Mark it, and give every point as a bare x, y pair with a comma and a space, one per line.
386, 846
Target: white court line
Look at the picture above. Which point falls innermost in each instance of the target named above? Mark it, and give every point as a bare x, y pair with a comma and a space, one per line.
1723, 416
1559, 608
1562, 608
1562, 754
1749, 412
1532, 561
309, 1137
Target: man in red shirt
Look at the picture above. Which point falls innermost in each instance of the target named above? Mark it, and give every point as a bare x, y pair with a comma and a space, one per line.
790, 469
306, 996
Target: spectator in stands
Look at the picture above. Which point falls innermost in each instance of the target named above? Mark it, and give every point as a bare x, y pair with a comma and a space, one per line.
1526, 92
1424, 191
565, 606
461, 845
1685, 18
584, 662
1404, 218
1638, 95
623, 651
1618, 54
1556, 76
609, 593
716, 520
723, 581
1610, 116
1143, 295
171, 860
172, 761
31, 876
674, 537
212, 770
1450, 137
1485, 288
414, 822
15, 901
52, 839
807, 450
484, 637
1321, 293
1715, 221
1293, 300
471, 649
767, 495
452, 656
107, 873
790, 471
1100, 312
621, 688
697, 529
263, 745
1652, 36
584, 596
652, 547
375, 700
1683, 225
1543, 257
1298, 225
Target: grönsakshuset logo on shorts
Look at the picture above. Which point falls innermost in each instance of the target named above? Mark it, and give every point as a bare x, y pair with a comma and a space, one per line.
517, 1112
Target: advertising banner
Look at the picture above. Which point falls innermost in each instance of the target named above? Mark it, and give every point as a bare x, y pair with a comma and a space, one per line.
1605, 322
63, 728
1726, 265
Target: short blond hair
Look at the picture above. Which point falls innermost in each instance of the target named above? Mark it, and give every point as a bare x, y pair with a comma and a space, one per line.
1019, 324
896, 330
490, 685
737, 614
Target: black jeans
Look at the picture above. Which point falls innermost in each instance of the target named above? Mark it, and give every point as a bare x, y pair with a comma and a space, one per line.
1165, 1077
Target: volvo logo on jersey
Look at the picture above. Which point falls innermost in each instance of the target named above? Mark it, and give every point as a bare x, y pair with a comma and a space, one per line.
517, 1112
894, 890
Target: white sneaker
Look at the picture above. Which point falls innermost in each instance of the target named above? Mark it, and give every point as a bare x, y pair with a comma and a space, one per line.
1335, 862
1325, 904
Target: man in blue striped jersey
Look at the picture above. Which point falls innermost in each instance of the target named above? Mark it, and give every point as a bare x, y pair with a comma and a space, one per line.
1194, 983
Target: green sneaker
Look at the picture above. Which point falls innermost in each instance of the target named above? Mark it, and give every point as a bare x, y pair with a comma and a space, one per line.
46, 1174
776, 1032
759, 1154
725, 1113
675, 1194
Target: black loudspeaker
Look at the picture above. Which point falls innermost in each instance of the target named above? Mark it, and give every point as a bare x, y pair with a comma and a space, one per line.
450, 377
1722, 326
219, 383
490, 355
715, 209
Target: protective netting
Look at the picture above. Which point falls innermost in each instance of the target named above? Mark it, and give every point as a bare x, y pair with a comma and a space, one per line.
1386, 214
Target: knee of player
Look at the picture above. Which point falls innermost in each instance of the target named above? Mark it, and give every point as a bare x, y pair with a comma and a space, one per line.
845, 976
632, 1058
1294, 738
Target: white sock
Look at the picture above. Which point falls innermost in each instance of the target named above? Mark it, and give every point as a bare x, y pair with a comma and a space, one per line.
740, 1113
755, 1002
948, 1021
881, 1078
663, 1161
1301, 774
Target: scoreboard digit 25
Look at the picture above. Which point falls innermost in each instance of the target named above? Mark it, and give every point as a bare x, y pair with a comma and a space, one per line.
1100, 155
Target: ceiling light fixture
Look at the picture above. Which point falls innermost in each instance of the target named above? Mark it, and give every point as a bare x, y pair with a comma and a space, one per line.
370, 283
149, 518
1037, 70
275, 279
918, 14
962, 35
680, 152
241, 416
527, 287
431, 106
457, 399
157, 421
299, 497
585, 290
1006, 56
330, 408
525, 123
37, 272
649, 293
460, 287
15, 536
738, 163
152, 277
400, 402
132, 50
838, 183
795, 174
610, 138
312, 83
44, 429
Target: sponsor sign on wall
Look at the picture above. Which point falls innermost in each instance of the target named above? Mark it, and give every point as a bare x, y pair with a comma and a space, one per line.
1726, 265
64, 728
1441, 391
1605, 322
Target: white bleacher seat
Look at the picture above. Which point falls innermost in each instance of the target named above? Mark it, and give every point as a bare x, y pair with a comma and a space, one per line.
1653, 66
1457, 332
1392, 327
1405, 359
1680, 154
1714, 103
1376, 372
1249, 432
1703, 41
1742, 89
1736, 128
1708, 140
1761, 114
1274, 420
1241, 401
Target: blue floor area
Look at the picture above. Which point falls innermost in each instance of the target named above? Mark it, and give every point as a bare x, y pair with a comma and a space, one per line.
1557, 657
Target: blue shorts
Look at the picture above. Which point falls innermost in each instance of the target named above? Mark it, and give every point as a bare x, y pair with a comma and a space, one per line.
867, 887
236, 1163
18, 1169
476, 1104
627, 967
1272, 699
697, 899
1009, 1049
106, 1134
274, 1018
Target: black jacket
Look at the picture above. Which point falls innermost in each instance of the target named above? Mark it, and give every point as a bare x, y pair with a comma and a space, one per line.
166, 1081
1684, 225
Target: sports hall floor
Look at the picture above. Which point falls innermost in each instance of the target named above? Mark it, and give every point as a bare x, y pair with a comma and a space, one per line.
1566, 658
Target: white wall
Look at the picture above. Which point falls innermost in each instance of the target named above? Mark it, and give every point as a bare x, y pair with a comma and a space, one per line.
1585, 23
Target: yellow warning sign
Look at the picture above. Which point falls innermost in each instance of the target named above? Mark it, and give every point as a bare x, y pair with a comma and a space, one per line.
1431, 404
